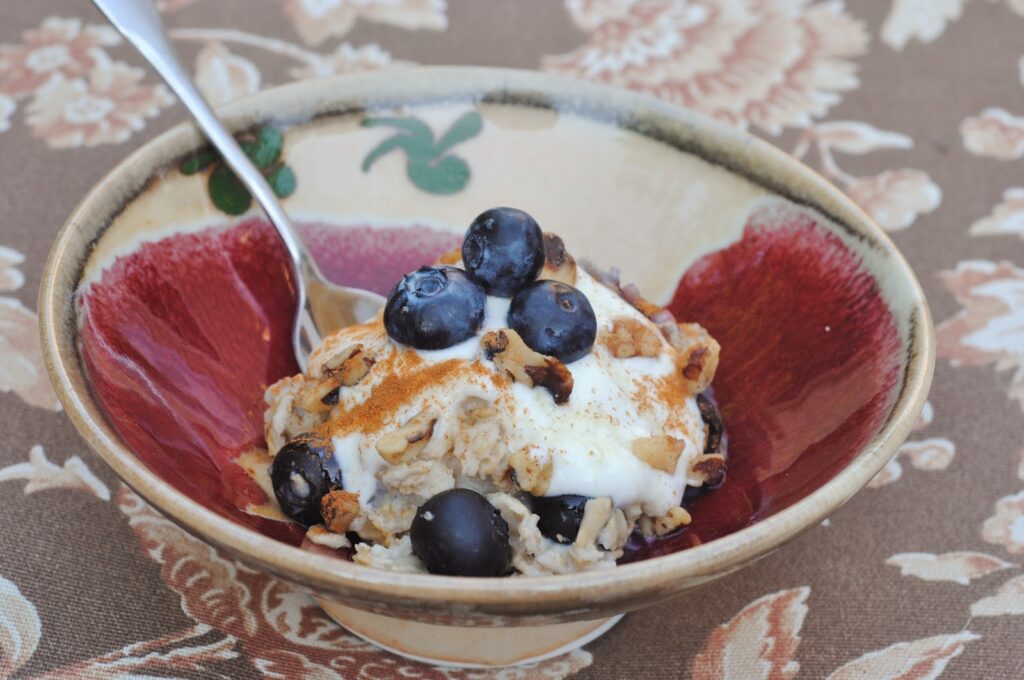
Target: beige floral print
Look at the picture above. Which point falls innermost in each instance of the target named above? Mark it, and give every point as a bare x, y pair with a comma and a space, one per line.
1006, 218
987, 330
106, 107
917, 660
766, 64
318, 20
60, 47
895, 198
21, 358
995, 133
20, 629
1007, 600
955, 567
1006, 526
222, 75
759, 642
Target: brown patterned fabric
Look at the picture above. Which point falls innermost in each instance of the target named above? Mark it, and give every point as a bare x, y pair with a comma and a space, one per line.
916, 109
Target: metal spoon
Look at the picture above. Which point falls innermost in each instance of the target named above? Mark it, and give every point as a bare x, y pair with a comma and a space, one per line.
322, 305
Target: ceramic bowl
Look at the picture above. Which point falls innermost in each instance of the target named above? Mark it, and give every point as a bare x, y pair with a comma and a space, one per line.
165, 314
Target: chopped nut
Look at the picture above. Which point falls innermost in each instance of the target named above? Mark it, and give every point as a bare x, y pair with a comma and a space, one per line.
319, 535
631, 338
698, 356
668, 523
333, 363
339, 508
709, 469
713, 427
596, 514
316, 396
478, 409
350, 370
405, 443
531, 475
511, 354
661, 452
451, 257
346, 368
615, 532
559, 265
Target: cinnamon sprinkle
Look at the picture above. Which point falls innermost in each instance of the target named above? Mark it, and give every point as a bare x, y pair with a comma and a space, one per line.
396, 390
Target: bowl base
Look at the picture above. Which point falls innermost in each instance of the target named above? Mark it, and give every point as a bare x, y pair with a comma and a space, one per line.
464, 647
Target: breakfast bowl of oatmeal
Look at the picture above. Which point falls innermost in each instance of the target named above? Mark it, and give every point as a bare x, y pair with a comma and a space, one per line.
624, 350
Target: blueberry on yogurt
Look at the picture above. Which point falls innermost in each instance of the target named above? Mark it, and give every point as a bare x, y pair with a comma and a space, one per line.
555, 319
434, 308
504, 250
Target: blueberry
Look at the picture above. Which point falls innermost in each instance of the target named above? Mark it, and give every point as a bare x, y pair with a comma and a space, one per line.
560, 516
504, 249
459, 533
434, 308
302, 472
554, 319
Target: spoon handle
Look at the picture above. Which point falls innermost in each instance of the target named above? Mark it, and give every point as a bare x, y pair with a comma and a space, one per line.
139, 22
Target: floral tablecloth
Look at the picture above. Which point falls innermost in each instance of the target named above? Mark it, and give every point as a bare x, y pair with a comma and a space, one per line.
914, 107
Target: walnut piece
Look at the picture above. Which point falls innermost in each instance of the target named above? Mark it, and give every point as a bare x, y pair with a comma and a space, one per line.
661, 452
698, 356
511, 354
713, 427
709, 469
531, 475
407, 442
344, 369
666, 524
631, 338
559, 265
339, 508
596, 514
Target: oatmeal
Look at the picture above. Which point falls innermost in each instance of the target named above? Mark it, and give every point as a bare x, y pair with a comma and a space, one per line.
508, 412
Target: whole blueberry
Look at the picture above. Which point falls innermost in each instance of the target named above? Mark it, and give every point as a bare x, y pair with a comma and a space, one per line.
434, 308
504, 249
560, 516
459, 533
301, 473
555, 319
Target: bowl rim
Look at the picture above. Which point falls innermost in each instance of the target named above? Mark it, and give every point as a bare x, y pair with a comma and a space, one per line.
304, 99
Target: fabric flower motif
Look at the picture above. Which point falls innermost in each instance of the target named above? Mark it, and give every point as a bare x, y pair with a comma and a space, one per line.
222, 76
925, 658
759, 642
994, 133
345, 59
1006, 526
1007, 601
896, 197
1006, 218
317, 20
106, 108
41, 475
925, 21
764, 63
7, 107
952, 567
988, 329
20, 629
58, 48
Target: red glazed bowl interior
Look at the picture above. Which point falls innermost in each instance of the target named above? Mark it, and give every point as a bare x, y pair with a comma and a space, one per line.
181, 337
